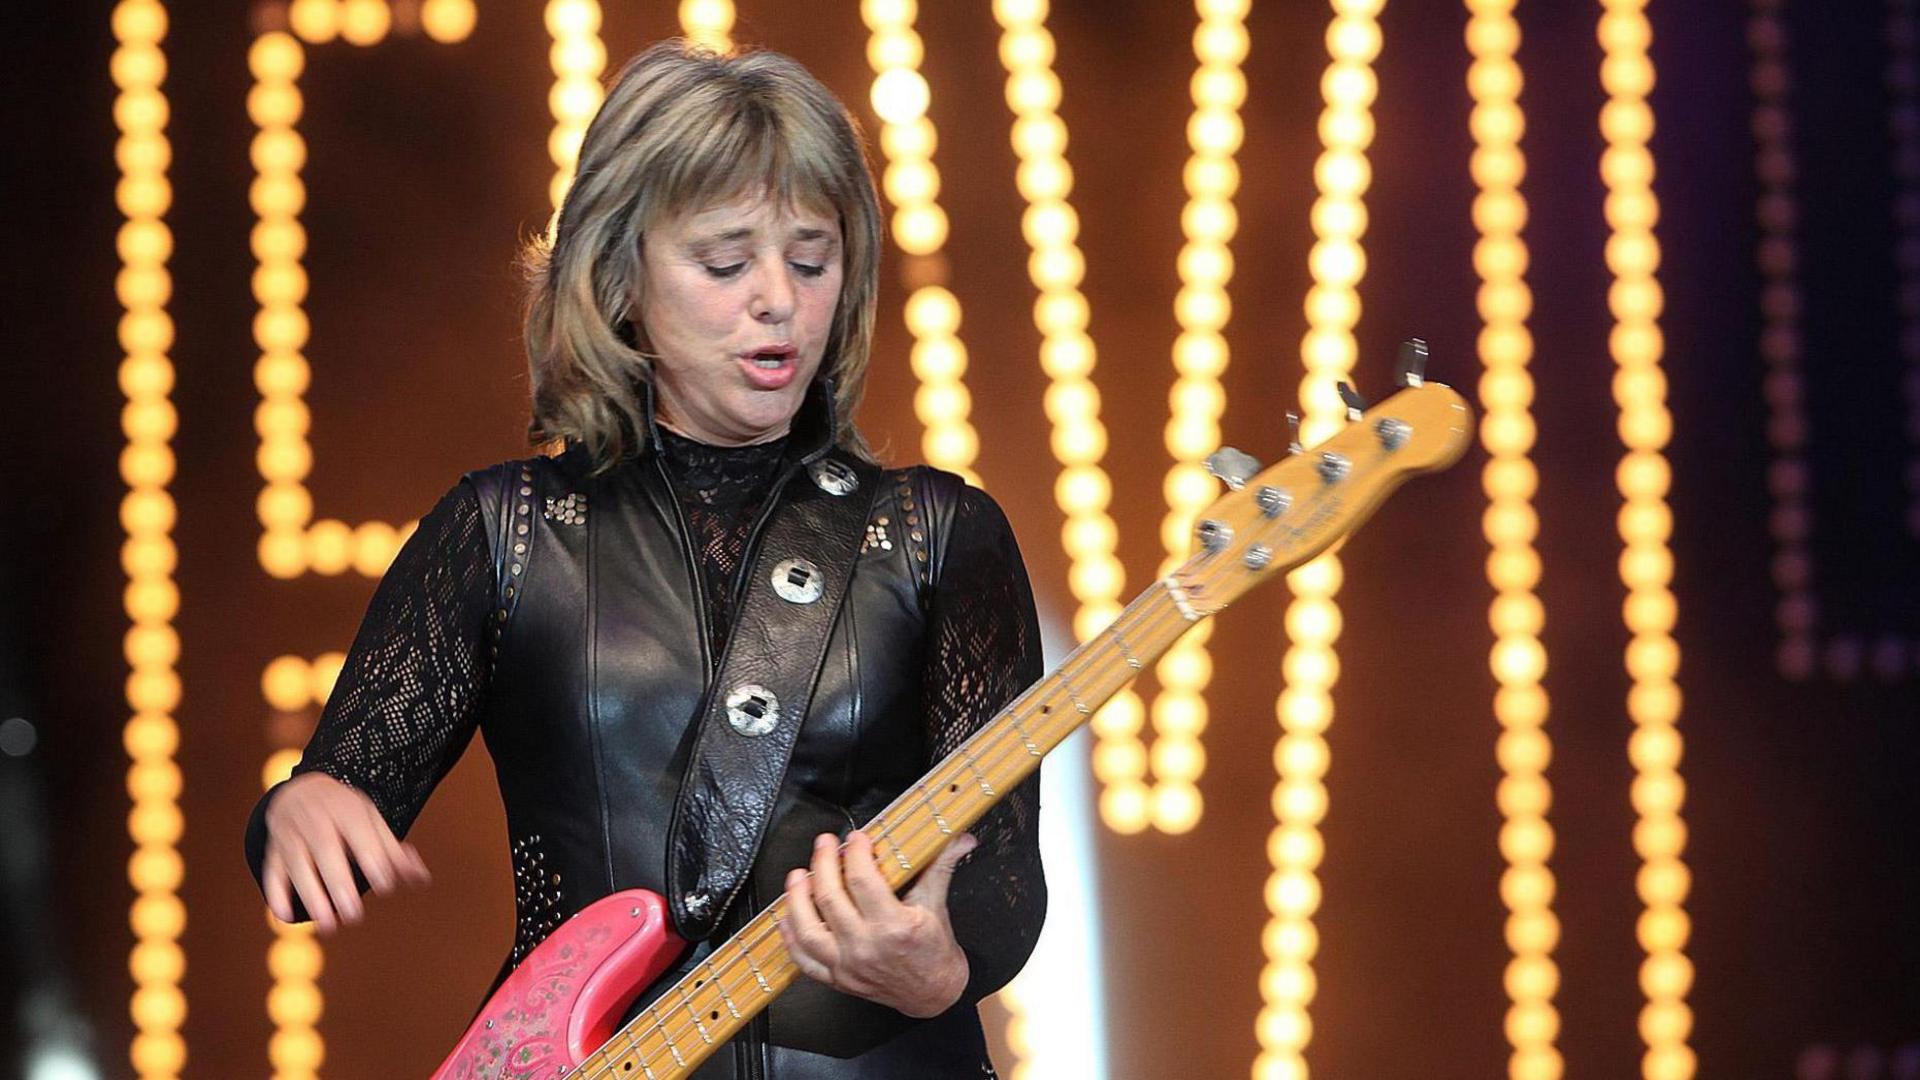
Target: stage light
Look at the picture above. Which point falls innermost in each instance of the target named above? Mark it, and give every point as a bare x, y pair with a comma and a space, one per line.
1903, 126
900, 97
577, 58
1517, 660
1646, 563
1313, 622
1082, 491
448, 21
1196, 401
151, 600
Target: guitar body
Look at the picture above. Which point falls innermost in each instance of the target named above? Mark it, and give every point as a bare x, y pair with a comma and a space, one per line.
567, 997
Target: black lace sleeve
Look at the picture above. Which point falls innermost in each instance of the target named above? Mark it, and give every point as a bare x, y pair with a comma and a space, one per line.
408, 698
983, 648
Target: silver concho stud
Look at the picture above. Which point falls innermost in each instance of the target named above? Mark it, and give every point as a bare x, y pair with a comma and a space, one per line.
697, 903
833, 477
752, 709
798, 581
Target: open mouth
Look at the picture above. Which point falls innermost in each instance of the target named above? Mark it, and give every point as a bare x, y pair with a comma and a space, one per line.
772, 367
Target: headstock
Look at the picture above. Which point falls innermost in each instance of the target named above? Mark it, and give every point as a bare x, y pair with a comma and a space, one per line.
1272, 520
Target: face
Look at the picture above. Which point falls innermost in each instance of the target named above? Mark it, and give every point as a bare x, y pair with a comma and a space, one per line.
737, 308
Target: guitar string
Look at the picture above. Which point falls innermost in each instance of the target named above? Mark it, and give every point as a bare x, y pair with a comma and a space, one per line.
1013, 744
991, 755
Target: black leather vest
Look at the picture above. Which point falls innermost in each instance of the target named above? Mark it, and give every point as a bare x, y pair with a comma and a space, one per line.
601, 661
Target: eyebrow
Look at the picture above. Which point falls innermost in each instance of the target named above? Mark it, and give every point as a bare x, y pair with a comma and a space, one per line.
743, 233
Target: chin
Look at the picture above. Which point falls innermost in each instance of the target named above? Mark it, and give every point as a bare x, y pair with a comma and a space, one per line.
757, 423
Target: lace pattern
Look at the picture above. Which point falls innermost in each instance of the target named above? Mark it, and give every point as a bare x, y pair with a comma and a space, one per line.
721, 490
408, 699
983, 649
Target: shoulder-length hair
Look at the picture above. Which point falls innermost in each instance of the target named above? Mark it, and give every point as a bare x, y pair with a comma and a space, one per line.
682, 129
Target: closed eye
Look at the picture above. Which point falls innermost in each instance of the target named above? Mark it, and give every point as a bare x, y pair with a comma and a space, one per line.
808, 269
726, 271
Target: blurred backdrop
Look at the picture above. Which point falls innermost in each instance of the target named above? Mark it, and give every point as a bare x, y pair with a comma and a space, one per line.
1595, 755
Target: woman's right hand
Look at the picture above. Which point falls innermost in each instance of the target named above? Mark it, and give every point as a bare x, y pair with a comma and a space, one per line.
318, 829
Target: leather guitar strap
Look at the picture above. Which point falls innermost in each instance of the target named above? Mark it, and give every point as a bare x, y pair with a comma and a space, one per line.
751, 718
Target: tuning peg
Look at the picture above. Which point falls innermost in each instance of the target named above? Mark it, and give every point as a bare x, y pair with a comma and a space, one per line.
1412, 368
1232, 467
1293, 436
1354, 402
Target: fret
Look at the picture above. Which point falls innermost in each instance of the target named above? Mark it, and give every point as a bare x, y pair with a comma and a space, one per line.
1014, 719
1072, 694
635, 1052
898, 855
757, 977
928, 803
686, 1000
1126, 650
660, 1026
973, 763
720, 985
1180, 600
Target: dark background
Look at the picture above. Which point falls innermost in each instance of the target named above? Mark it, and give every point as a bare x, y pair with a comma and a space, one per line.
427, 166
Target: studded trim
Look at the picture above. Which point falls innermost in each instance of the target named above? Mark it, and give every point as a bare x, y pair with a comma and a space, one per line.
571, 510
536, 896
519, 544
915, 528
877, 535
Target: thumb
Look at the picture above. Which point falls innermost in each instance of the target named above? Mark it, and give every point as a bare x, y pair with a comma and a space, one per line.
931, 890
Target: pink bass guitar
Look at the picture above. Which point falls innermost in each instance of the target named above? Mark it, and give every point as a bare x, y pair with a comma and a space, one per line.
558, 1015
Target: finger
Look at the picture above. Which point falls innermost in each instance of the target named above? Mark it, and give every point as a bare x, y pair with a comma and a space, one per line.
808, 938
370, 851
330, 859
864, 883
313, 895
275, 886
930, 891
412, 866
408, 867
829, 891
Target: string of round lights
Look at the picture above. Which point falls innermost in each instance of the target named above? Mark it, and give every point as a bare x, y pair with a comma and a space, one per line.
1200, 354
1903, 89
1518, 660
1892, 653
900, 98
151, 735
1305, 707
578, 57
294, 1001
1645, 525
366, 22
291, 542
294, 960
1083, 491
1787, 475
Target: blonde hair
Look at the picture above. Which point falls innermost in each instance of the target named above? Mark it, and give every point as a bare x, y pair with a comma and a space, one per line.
682, 129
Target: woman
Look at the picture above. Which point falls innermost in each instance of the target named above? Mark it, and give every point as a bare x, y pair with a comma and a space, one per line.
698, 336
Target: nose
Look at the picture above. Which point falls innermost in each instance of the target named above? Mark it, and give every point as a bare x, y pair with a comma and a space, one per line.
773, 298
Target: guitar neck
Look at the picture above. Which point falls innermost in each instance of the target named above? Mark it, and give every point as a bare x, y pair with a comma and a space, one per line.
715, 1000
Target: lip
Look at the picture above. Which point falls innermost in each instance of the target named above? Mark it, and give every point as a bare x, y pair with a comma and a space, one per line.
771, 378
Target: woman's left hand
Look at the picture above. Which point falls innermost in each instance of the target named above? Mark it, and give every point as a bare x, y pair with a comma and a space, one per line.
845, 928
